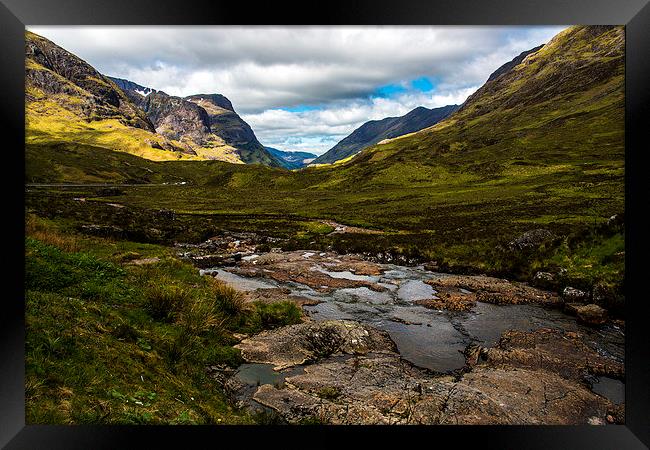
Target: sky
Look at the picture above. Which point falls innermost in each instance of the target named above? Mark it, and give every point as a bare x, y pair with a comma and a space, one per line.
305, 88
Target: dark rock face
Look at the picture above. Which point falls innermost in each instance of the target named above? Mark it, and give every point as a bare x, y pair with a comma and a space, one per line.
374, 131
54, 70
127, 85
176, 118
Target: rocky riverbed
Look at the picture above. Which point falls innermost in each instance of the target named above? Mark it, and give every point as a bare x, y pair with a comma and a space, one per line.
383, 343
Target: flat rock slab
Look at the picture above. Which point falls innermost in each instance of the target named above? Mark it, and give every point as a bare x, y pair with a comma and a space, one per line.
302, 267
450, 299
567, 354
496, 290
311, 341
528, 378
383, 389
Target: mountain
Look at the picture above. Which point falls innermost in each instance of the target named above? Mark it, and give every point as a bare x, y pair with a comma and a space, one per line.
68, 101
225, 123
561, 104
375, 131
128, 86
292, 160
207, 120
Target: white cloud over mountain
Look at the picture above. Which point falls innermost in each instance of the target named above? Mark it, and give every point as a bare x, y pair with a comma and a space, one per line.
304, 88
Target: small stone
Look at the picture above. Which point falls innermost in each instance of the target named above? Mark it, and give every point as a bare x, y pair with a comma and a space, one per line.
595, 421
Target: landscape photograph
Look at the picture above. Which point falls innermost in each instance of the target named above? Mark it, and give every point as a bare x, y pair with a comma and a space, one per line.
325, 225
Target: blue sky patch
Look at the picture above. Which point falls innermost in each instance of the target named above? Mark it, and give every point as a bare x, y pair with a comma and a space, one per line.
423, 84
389, 90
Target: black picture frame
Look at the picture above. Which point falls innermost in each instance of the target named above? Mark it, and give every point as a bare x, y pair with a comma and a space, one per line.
15, 14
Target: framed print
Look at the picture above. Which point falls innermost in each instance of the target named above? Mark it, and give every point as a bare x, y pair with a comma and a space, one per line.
388, 220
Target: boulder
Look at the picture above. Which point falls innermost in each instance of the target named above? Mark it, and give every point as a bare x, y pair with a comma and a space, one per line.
308, 342
591, 314
531, 239
573, 295
543, 280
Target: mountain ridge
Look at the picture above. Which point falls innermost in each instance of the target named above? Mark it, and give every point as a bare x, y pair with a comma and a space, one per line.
206, 119
68, 100
374, 131
292, 160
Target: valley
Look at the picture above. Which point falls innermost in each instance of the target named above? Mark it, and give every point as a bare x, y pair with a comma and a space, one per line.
459, 265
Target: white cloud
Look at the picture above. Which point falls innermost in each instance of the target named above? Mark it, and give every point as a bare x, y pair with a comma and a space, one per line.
262, 69
277, 127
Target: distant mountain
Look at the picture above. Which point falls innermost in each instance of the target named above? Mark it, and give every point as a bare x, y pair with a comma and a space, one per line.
375, 131
127, 86
292, 160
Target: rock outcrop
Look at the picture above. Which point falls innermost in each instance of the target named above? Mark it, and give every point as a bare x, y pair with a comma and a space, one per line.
528, 378
495, 290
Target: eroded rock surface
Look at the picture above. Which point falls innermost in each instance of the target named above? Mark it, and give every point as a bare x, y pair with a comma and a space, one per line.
495, 290
528, 378
311, 269
312, 341
567, 354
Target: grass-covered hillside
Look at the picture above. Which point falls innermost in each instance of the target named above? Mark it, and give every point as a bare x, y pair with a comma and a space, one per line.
123, 333
68, 101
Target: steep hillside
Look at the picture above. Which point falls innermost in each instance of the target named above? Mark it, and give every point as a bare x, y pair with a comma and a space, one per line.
67, 100
375, 131
226, 124
559, 111
292, 160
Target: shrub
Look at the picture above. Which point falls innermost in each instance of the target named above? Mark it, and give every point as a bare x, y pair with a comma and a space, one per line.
272, 315
164, 300
200, 315
228, 299
37, 229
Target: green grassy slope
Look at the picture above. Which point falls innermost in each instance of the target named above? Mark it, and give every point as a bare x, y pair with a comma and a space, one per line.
110, 342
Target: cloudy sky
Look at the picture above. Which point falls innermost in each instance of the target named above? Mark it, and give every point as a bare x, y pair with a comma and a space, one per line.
305, 88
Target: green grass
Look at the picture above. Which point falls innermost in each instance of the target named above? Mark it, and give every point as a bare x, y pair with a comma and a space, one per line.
113, 343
